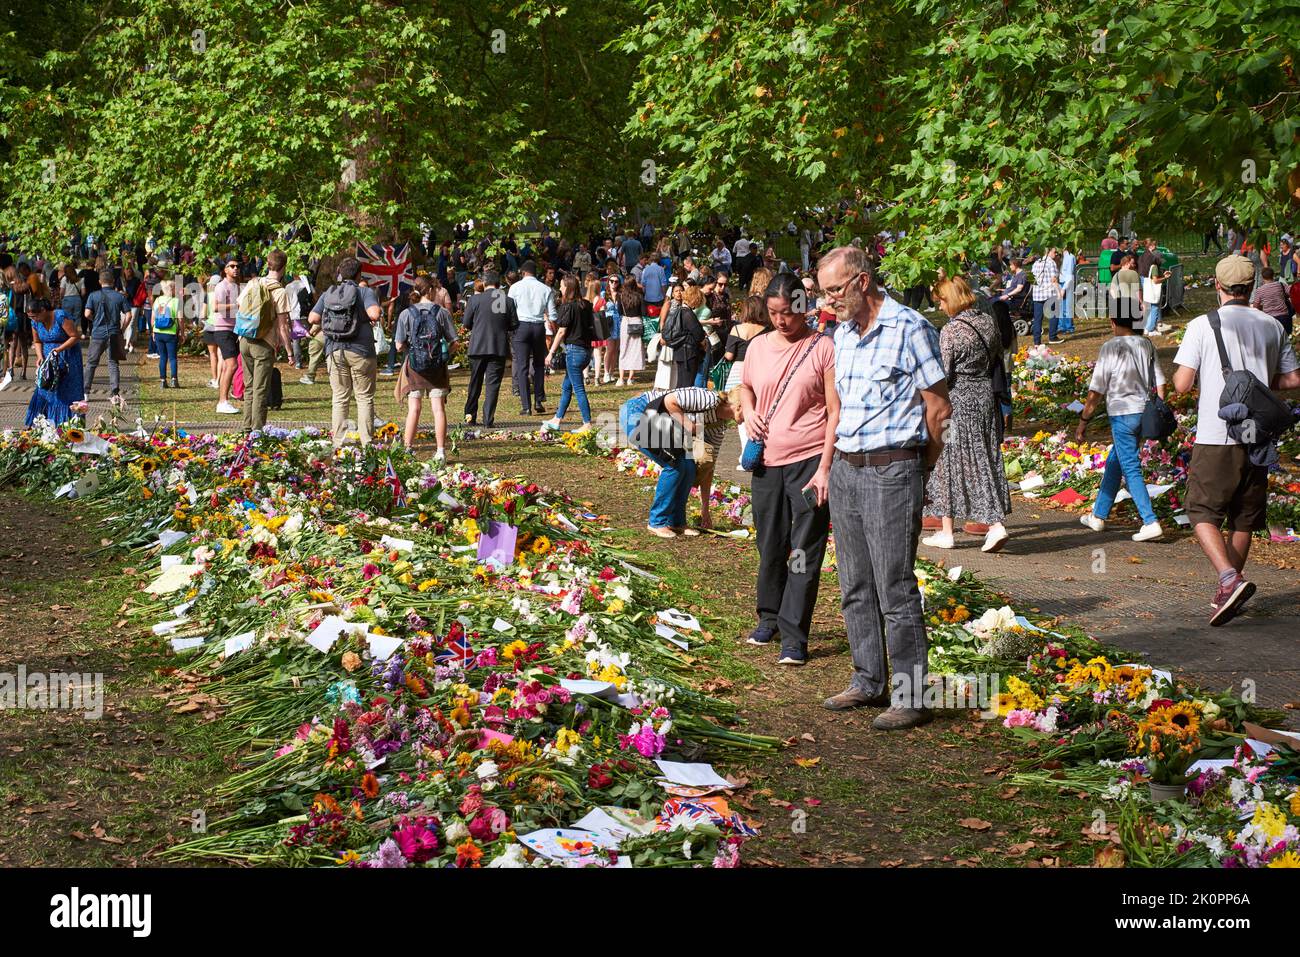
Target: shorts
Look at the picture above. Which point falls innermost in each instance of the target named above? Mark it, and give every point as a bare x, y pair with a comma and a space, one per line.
1222, 486
209, 337
431, 393
227, 342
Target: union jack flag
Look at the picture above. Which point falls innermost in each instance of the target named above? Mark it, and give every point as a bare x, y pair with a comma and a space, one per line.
388, 269
241, 459
456, 649
395, 480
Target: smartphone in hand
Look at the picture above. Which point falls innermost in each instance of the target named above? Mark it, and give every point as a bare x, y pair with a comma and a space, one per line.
810, 496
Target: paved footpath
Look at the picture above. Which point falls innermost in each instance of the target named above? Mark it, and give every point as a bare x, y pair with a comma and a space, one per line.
15, 399
1152, 597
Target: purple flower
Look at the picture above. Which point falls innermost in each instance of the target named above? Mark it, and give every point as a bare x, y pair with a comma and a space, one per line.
388, 855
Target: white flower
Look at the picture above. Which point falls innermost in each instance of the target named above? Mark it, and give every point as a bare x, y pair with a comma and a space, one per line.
488, 769
512, 856
456, 832
686, 848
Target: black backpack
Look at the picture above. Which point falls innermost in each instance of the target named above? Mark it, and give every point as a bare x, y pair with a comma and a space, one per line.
340, 311
673, 331
428, 351
1269, 417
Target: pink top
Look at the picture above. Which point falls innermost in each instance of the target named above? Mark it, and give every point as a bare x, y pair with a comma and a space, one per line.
1109, 243
798, 429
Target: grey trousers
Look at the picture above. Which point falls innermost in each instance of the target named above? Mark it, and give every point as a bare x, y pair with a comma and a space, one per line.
876, 514
99, 348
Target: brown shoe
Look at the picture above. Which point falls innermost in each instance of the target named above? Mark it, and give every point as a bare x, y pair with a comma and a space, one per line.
929, 522
899, 719
975, 528
851, 698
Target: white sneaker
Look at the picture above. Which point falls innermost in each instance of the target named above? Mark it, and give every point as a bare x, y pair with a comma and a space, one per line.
225, 408
607, 380
1148, 532
151, 355
4, 383
1092, 521
995, 539
378, 423
938, 540
439, 457
212, 384
306, 380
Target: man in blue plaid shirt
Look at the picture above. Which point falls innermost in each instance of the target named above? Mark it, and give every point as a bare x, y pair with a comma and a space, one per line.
894, 406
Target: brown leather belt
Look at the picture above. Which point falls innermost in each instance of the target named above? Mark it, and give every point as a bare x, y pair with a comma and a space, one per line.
861, 459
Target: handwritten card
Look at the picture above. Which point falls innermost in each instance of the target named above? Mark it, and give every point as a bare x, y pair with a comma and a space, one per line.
496, 546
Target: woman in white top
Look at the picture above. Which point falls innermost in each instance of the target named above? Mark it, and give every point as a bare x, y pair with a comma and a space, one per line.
1126, 371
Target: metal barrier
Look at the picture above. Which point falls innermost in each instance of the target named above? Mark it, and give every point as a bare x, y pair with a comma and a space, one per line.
1092, 300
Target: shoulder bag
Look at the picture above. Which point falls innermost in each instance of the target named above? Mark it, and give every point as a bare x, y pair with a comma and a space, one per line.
751, 457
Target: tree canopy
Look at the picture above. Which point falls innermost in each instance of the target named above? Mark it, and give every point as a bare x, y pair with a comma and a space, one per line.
958, 123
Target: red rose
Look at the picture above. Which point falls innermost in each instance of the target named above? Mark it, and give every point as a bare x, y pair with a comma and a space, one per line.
1158, 704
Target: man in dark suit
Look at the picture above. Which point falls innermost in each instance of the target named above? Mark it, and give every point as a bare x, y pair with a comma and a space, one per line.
490, 319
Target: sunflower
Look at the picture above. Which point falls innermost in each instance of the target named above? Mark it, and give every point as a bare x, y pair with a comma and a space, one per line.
74, 436
541, 545
1182, 720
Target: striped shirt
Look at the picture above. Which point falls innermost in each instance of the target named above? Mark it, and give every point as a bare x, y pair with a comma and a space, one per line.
1271, 298
699, 405
879, 377
1045, 278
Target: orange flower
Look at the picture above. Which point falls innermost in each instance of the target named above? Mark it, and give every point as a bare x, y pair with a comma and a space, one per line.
468, 854
370, 785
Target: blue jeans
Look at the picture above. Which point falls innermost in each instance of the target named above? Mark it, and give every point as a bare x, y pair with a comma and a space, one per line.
576, 359
1036, 326
166, 349
668, 510
1153, 316
1123, 460
1067, 306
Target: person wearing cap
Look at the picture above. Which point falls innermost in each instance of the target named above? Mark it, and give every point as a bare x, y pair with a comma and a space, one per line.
535, 307
1223, 485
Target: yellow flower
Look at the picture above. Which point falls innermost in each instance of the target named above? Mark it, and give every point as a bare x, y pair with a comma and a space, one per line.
471, 530
566, 739
426, 585
1295, 804
1269, 821
615, 607
1289, 859
347, 857
514, 648
541, 545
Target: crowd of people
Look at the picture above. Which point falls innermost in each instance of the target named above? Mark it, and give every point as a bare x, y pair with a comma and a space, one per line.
852, 407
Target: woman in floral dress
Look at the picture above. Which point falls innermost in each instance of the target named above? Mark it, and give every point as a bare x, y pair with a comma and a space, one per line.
969, 479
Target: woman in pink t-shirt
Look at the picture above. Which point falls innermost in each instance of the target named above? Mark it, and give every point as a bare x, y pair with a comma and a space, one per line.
790, 404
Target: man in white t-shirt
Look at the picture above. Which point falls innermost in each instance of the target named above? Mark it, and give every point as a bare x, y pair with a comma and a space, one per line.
1222, 482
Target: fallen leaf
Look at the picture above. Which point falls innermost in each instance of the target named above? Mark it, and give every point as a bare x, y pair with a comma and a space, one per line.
808, 737
1008, 793
975, 824
1109, 856
1018, 850
897, 863
807, 762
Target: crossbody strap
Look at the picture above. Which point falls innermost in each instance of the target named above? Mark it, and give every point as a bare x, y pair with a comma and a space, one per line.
988, 353
772, 411
1217, 326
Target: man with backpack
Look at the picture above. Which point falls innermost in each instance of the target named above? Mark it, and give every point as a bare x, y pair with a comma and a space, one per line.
1239, 354
264, 312
490, 319
345, 313
109, 316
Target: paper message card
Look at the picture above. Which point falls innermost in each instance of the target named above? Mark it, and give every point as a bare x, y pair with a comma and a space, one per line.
497, 544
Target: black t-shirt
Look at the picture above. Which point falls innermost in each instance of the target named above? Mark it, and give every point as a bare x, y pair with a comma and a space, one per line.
576, 319
89, 281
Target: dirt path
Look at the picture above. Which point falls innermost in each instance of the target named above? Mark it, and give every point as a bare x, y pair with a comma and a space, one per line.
77, 791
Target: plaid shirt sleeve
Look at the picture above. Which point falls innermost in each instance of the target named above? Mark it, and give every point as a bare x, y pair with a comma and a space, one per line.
924, 347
